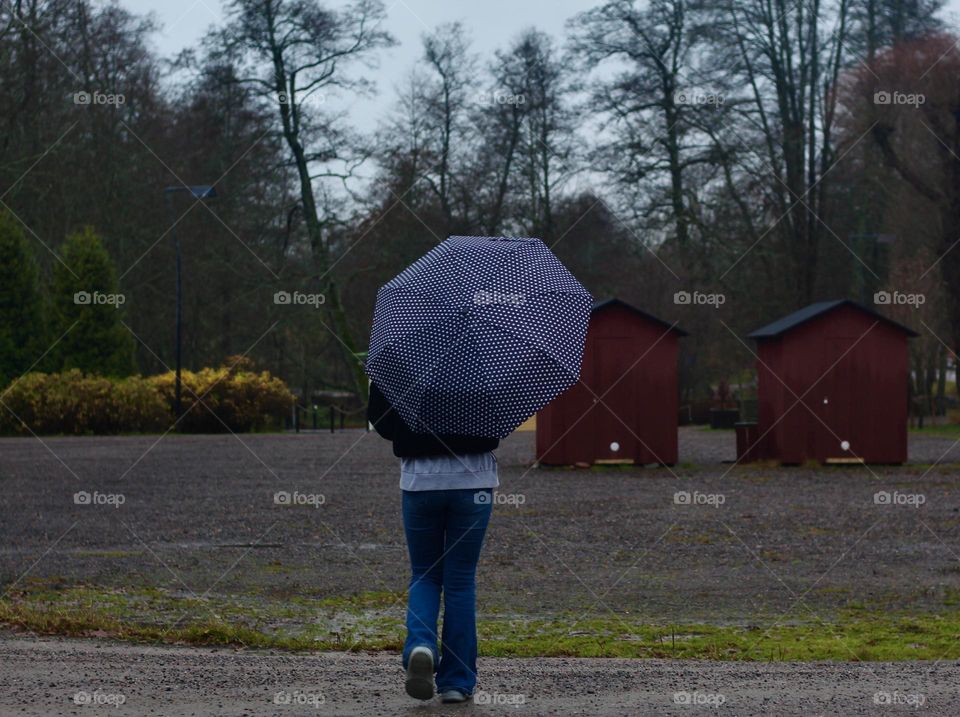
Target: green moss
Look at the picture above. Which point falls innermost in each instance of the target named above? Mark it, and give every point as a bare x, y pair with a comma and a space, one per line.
374, 621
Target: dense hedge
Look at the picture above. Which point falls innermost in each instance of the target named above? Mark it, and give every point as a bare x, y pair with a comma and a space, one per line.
242, 399
76, 403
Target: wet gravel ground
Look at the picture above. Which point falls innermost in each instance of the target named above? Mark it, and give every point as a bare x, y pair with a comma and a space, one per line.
713, 541
704, 540
75, 677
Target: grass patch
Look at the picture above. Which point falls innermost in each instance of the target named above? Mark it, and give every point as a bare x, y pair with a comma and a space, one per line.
947, 430
374, 621
156, 615
877, 638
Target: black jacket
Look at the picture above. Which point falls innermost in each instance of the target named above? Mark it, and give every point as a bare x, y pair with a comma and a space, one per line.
407, 444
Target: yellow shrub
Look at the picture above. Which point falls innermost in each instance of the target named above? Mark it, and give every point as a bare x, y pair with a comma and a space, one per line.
215, 400
237, 399
74, 403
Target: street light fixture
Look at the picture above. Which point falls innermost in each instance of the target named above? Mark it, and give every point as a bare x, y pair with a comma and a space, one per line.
199, 192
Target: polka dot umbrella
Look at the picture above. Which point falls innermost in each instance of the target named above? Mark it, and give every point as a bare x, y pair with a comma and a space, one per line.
478, 335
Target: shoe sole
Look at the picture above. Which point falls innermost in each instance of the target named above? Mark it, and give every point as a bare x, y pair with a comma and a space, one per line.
420, 676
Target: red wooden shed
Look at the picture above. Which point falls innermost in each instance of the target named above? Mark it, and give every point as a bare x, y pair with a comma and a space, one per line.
832, 387
624, 410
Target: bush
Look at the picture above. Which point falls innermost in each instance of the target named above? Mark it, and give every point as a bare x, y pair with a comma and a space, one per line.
242, 399
75, 403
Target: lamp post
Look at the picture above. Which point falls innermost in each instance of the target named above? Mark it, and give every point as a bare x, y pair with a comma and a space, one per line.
202, 191
875, 249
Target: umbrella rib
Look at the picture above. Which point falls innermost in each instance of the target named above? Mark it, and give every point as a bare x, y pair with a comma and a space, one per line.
498, 269
408, 334
574, 377
418, 292
517, 336
540, 260
461, 269
552, 292
511, 255
429, 371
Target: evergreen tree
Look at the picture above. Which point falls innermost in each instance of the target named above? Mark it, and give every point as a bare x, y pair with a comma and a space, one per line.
22, 335
87, 309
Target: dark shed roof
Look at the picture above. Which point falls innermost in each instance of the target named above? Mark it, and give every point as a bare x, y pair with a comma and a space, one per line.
791, 321
617, 302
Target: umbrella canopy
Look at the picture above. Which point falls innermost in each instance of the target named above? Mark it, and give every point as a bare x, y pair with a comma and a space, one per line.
478, 335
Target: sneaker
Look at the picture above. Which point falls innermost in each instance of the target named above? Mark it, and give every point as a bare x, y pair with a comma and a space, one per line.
420, 673
453, 696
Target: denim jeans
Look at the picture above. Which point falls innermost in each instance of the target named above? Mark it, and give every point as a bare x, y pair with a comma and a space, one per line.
445, 530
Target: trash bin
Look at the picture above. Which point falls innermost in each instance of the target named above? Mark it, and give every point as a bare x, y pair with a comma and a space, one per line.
747, 434
723, 417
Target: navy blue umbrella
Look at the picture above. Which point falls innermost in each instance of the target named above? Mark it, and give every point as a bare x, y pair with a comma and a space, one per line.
478, 335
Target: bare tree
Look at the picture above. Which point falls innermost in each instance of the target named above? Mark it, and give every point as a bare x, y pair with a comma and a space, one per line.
293, 52
880, 23
790, 56
447, 98
643, 103
501, 117
526, 144
549, 133
920, 141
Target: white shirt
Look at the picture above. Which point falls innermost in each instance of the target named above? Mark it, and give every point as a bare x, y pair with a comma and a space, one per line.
469, 470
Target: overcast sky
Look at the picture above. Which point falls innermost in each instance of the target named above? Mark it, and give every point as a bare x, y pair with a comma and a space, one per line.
491, 25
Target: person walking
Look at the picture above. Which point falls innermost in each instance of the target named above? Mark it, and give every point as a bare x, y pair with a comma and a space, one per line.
446, 485
466, 343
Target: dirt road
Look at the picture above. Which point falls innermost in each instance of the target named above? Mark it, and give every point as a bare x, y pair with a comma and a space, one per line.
85, 677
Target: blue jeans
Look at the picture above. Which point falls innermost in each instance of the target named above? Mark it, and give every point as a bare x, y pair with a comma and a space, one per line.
445, 530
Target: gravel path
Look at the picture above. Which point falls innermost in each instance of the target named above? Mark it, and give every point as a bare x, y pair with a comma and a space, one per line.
75, 677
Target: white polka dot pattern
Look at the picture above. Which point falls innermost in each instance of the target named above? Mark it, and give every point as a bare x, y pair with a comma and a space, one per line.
478, 335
